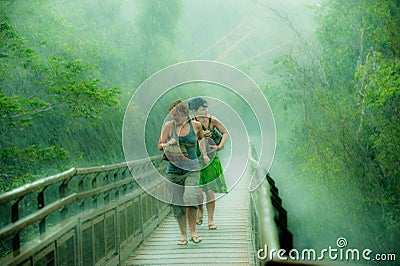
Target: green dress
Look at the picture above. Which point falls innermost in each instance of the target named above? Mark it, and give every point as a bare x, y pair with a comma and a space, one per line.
212, 176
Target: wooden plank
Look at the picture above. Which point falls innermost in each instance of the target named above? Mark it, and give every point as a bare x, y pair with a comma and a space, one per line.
230, 244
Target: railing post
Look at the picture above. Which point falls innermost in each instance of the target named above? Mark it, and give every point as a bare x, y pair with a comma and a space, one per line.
94, 185
106, 182
117, 190
117, 233
62, 191
16, 244
141, 216
120, 177
42, 223
81, 188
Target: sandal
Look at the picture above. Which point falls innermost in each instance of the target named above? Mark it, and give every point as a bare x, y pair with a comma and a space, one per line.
182, 242
212, 227
199, 220
195, 239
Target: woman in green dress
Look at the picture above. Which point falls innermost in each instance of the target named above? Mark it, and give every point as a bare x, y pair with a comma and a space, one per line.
212, 178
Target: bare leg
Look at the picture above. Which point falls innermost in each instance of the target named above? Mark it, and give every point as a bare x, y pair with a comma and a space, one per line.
192, 213
200, 212
182, 227
210, 208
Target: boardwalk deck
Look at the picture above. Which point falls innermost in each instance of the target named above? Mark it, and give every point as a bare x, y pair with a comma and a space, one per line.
230, 244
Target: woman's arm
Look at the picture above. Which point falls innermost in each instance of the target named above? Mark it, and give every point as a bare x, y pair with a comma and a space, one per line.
165, 136
199, 133
216, 123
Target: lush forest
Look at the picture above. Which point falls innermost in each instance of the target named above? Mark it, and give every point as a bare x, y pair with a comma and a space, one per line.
66, 78
341, 92
69, 68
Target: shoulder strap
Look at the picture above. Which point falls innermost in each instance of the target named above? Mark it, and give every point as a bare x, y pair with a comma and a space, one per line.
176, 137
203, 127
209, 123
173, 131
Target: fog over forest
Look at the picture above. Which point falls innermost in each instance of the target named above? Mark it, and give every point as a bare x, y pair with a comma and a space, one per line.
328, 69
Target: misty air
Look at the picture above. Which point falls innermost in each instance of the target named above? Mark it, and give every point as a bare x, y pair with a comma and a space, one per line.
282, 118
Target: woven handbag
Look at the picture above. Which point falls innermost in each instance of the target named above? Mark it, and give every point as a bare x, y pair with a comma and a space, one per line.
175, 153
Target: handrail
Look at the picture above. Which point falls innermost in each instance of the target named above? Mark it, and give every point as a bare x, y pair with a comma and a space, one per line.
112, 188
97, 169
30, 219
43, 182
72, 189
269, 221
28, 188
45, 211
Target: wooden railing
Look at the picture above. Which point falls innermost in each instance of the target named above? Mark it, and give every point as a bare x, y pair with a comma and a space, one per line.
98, 215
269, 218
83, 216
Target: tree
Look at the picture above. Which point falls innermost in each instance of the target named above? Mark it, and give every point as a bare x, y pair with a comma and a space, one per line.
61, 64
347, 88
31, 90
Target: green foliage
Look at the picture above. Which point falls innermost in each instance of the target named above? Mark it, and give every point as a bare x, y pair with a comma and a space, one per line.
32, 92
69, 85
15, 161
57, 61
380, 26
19, 112
380, 131
343, 96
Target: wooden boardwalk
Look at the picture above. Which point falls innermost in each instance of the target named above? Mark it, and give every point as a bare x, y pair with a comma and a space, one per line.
230, 244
